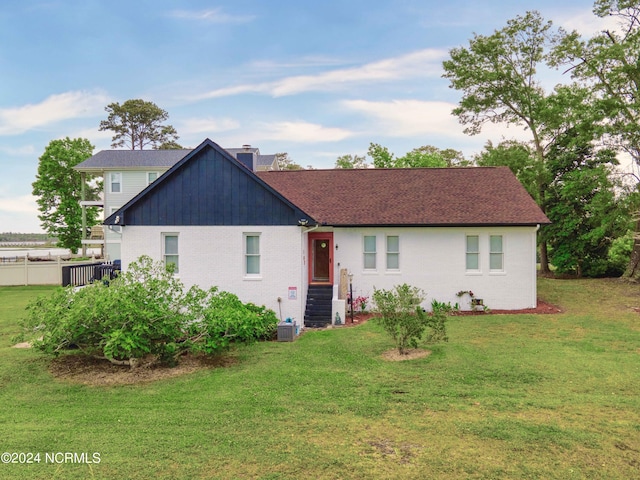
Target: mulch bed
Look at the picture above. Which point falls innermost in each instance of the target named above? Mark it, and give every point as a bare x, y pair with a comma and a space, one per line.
92, 371
542, 308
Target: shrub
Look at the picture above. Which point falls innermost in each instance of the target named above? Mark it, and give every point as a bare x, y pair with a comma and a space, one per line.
143, 312
401, 315
437, 320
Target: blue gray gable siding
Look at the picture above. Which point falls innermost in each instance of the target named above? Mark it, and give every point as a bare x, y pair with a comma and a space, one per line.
208, 187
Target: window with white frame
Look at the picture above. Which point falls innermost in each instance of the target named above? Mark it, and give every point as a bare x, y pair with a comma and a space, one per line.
170, 250
393, 252
473, 252
151, 177
369, 252
115, 182
252, 254
496, 253
114, 228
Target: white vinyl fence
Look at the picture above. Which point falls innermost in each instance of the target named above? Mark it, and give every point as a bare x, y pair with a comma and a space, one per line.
23, 271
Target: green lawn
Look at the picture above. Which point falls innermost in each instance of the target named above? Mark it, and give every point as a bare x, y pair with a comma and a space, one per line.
553, 396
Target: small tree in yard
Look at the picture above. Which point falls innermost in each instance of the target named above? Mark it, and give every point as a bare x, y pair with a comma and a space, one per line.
144, 313
404, 319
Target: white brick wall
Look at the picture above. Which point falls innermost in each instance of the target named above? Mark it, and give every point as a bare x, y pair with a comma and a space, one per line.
430, 258
217, 259
434, 260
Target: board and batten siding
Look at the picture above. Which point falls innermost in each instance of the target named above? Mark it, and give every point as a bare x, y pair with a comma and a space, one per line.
434, 259
214, 256
211, 189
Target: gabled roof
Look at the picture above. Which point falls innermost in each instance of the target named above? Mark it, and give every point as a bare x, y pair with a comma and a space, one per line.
265, 160
140, 159
208, 187
417, 196
124, 159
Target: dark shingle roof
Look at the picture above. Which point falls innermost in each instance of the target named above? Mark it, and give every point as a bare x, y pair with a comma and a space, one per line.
265, 160
107, 159
115, 159
421, 196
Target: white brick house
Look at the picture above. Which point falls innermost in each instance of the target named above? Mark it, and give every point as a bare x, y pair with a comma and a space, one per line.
271, 236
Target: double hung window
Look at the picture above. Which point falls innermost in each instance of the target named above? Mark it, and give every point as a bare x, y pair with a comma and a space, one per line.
370, 252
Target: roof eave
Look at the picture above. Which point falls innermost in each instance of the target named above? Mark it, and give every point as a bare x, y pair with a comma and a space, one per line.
439, 225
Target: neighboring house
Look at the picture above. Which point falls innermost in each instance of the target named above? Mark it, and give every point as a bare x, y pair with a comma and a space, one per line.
280, 238
126, 173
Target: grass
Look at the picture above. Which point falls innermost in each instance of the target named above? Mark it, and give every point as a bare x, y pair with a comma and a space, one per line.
510, 396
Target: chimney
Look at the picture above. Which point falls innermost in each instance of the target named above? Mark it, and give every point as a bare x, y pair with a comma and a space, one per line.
246, 157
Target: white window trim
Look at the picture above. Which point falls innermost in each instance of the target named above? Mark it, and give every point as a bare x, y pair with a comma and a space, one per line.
164, 235
109, 183
387, 252
497, 271
374, 253
147, 177
114, 228
245, 255
472, 271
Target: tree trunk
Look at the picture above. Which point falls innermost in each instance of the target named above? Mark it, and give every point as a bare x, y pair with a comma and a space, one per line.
544, 259
633, 269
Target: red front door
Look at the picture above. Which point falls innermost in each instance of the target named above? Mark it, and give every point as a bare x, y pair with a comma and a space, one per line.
321, 257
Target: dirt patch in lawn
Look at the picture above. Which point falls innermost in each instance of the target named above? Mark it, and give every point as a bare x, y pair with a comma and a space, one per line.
92, 371
411, 354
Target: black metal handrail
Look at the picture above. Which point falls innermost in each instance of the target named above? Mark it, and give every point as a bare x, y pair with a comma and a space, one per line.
79, 275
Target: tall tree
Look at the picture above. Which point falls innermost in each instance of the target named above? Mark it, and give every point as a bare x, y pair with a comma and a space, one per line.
382, 157
519, 158
609, 63
351, 161
421, 157
498, 78
58, 188
285, 162
137, 124
582, 204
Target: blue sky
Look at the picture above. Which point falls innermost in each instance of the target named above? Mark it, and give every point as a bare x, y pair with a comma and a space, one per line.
315, 79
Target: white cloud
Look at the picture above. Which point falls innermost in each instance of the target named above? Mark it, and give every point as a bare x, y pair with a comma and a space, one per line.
25, 204
214, 15
302, 132
53, 109
423, 63
409, 118
416, 118
586, 22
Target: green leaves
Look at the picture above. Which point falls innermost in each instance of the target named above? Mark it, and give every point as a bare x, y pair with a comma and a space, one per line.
497, 74
421, 157
138, 124
403, 318
58, 188
144, 311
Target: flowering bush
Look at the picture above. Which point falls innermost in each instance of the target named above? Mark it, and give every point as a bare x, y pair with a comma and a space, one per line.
360, 303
